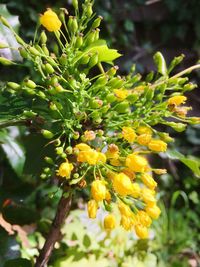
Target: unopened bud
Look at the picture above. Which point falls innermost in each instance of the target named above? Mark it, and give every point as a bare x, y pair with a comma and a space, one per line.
47, 134
97, 22
13, 85
6, 61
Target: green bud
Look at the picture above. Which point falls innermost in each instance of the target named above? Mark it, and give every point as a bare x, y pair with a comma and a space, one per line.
13, 85
112, 71
149, 77
90, 38
45, 49
96, 34
47, 170
76, 175
51, 61
101, 81
49, 160
29, 91
52, 106
97, 22
43, 176
19, 40
116, 82
23, 52
47, 134
149, 94
105, 109
122, 107
69, 24
160, 63
41, 94
31, 84
111, 98
75, 4
49, 69
189, 86
59, 150
76, 135
29, 113
6, 61
39, 48
165, 137
63, 155
5, 22
89, 10
69, 150
194, 120
54, 80
34, 51
95, 103
43, 37
74, 25
132, 98
79, 41
93, 60
97, 120
3, 46
85, 59
179, 127
136, 78
63, 59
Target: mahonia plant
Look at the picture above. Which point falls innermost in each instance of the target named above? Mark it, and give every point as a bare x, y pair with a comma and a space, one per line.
102, 125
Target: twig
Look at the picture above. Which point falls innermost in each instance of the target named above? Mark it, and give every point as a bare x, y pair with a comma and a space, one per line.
54, 234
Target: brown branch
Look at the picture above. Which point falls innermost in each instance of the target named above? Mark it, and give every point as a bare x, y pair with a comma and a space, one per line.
54, 234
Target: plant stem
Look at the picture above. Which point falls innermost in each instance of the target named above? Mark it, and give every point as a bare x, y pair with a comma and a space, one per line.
197, 66
54, 234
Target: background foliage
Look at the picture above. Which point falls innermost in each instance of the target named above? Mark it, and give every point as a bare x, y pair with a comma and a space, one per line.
137, 29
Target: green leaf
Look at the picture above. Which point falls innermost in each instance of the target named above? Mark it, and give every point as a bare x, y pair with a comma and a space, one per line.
160, 63
14, 151
192, 162
86, 241
20, 262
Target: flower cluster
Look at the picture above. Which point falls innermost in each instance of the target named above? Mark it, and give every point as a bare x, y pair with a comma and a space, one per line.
101, 127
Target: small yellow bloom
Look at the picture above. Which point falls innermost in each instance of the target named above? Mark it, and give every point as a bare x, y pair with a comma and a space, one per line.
115, 162
112, 152
92, 207
109, 222
141, 231
98, 190
128, 134
50, 21
136, 190
144, 130
157, 145
121, 94
176, 100
136, 163
83, 147
148, 196
65, 169
144, 139
90, 156
101, 157
125, 209
126, 222
122, 184
153, 211
143, 218
89, 135
148, 180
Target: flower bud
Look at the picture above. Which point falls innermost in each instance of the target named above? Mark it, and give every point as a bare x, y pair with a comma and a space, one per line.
141, 231
45, 49
13, 85
97, 22
92, 207
29, 83
23, 52
79, 40
112, 71
93, 60
33, 51
5, 22
75, 4
122, 107
49, 160
98, 190
6, 61
49, 69
47, 134
109, 222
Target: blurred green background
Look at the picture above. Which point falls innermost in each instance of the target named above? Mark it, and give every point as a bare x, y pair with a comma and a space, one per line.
137, 28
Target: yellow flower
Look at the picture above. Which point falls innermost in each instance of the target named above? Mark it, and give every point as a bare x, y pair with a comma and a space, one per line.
112, 152
126, 222
128, 134
98, 190
153, 211
148, 196
115, 162
141, 231
144, 130
50, 21
135, 190
65, 169
121, 94
143, 218
92, 207
124, 209
129, 173
157, 145
176, 100
144, 139
122, 184
83, 147
90, 156
89, 135
136, 163
109, 222
101, 157
148, 180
